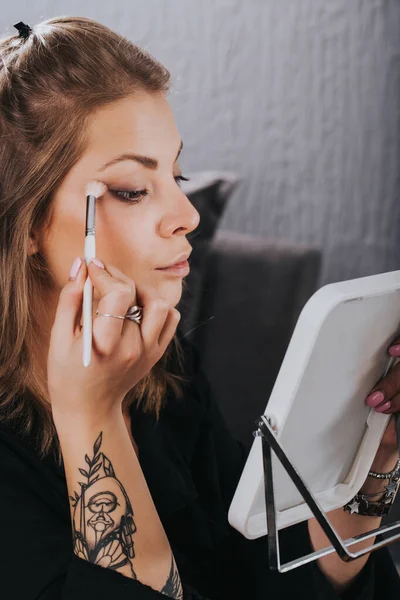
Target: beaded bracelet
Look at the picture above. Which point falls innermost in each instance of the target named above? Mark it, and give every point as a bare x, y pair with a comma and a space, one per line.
361, 504
385, 475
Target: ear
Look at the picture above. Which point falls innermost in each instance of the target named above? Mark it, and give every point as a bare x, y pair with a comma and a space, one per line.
33, 247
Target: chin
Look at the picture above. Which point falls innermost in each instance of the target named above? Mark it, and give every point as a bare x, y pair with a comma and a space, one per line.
171, 294
174, 301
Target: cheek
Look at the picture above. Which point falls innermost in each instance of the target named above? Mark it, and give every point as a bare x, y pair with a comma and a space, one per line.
125, 239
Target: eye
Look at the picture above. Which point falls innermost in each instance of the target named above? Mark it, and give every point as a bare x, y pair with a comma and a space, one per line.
180, 178
135, 196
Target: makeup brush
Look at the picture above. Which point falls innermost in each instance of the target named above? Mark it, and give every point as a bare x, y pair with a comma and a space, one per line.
94, 189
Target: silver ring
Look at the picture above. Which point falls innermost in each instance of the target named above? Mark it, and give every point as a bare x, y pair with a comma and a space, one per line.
134, 313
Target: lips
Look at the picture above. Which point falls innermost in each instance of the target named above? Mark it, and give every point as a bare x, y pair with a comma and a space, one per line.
180, 261
178, 269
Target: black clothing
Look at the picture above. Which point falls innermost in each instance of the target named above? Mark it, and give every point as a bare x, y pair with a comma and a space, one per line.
192, 465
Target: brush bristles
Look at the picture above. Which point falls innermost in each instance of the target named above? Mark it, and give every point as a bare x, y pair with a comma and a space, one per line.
95, 188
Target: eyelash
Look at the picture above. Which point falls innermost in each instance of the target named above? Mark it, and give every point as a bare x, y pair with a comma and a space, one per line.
139, 194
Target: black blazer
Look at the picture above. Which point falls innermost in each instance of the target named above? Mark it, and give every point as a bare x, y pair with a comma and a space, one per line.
192, 465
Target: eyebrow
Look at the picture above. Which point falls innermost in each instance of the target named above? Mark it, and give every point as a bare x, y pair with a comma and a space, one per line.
146, 161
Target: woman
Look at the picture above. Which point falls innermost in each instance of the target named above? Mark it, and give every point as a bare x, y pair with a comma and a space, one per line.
116, 478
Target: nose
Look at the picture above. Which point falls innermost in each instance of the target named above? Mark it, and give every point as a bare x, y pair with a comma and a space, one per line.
180, 216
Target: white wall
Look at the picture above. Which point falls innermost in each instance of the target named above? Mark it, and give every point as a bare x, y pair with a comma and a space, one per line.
301, 97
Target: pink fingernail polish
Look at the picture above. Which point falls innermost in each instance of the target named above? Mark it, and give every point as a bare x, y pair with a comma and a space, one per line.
384, 407
394, 350
76, 265
375, 399
97, 262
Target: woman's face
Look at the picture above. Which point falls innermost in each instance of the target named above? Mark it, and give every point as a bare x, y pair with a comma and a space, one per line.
136, 233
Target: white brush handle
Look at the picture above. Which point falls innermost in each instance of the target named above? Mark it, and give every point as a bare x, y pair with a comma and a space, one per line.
90, 252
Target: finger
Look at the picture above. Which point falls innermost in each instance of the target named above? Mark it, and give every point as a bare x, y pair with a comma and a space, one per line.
394, 348
118, 297
159, 323
389, 407
102, 277
386, 388
169, 328
140, 297
109, 280
154, 316
116, 273
69, 305
100, 289
107, 330
105, 283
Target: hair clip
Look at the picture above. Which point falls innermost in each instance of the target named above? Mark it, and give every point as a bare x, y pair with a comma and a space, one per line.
23, 29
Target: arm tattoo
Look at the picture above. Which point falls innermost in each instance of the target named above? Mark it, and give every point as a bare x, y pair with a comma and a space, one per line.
173, 586
102, 521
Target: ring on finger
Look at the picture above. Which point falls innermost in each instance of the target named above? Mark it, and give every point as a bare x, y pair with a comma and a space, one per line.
134, 313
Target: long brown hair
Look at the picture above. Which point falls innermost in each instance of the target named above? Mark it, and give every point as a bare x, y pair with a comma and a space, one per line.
50, 83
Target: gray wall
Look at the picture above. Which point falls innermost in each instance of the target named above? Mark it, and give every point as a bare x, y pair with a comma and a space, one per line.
301, 97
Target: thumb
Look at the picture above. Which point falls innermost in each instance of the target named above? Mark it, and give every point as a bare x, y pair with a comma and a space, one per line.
69, 305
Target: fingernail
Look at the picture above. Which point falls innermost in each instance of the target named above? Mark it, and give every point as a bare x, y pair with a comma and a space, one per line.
76, 265
384, 407
394, 350
97, 262
375, 399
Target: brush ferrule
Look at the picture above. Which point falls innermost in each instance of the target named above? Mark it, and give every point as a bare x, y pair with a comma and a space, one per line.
90, 215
